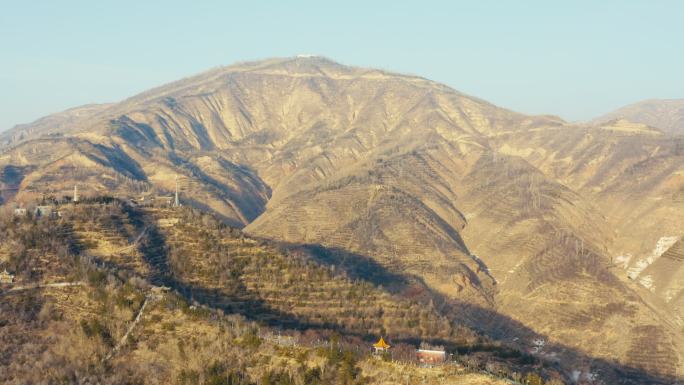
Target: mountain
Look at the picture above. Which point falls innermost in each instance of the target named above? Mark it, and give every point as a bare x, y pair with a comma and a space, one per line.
664, 114
517, 226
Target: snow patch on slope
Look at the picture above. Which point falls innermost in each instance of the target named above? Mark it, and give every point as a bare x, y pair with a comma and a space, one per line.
647, 282
623, 260
661, 247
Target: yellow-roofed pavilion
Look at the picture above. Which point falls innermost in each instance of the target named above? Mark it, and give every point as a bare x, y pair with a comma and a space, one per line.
381, 345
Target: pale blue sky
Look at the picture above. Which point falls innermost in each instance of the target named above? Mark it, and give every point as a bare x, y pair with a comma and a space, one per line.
576, 59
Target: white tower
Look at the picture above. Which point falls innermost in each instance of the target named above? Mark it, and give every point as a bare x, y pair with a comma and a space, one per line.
75, 193
176, 202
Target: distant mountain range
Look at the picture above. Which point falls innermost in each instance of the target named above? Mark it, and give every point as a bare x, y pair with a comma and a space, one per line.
534, 228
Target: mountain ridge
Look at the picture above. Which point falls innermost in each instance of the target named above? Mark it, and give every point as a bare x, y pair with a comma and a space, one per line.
664, 114
279, 66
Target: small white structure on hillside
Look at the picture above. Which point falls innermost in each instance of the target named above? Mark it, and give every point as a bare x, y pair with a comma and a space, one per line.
176, 201
431, 355
6, 277
162, 201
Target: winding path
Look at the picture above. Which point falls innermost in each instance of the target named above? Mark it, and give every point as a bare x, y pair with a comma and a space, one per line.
124, 339
42, 285
135, 241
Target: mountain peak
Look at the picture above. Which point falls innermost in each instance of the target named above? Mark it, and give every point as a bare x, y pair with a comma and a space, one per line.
306, 63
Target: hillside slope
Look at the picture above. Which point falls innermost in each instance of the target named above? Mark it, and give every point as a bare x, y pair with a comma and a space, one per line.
87, 306
665, 114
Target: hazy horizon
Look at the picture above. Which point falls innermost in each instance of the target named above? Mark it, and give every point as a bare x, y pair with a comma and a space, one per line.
577, 60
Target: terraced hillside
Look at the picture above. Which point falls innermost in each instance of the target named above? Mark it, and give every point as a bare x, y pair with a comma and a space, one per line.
220, 266
217, 265
634, 179
663, 276
86, 306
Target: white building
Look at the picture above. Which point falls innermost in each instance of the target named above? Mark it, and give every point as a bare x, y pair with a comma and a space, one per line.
6, 277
